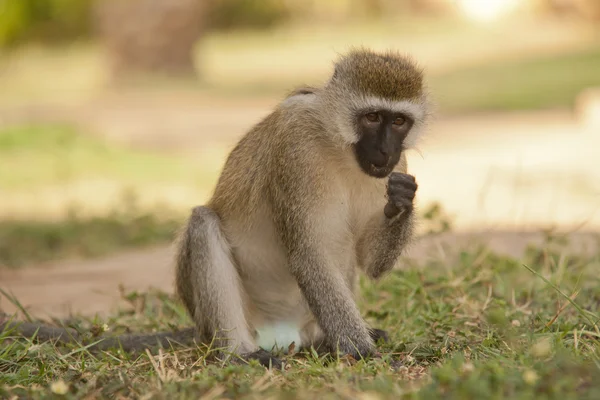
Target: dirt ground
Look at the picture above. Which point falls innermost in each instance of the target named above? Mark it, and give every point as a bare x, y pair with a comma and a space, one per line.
92, 287
504, 174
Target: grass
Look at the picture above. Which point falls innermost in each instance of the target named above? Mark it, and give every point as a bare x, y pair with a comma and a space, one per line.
25, 242
471, 326
538, 83
55, 156
35, 155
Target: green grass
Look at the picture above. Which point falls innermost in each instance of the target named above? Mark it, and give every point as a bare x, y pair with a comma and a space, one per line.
474, 326
529, 83
24, 242
57, 154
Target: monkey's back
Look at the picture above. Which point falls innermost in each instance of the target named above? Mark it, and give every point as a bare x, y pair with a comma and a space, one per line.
280, 142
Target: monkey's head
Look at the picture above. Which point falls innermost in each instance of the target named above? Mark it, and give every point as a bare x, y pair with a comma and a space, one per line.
379, 103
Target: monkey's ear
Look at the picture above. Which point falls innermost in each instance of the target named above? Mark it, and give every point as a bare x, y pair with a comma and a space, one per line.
336, 73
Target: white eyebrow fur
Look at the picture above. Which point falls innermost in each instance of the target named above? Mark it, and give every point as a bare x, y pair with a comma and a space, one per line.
416, 110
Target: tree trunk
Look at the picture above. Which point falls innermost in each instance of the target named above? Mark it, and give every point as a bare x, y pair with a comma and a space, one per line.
590, 9
150, 36
586, 9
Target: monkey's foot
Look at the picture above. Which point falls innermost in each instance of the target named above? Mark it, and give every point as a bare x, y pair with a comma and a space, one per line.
377, 334
265, 358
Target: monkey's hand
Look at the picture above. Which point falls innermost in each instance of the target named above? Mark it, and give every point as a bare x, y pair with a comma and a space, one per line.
401, 192
358, 347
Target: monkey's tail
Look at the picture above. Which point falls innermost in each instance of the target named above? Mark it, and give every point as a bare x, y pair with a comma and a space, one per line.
135, 343
40, 332
129, 343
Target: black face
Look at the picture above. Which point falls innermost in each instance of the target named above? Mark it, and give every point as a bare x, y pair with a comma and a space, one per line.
382, 134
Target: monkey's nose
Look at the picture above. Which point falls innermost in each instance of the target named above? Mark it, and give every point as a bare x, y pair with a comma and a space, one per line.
381, 160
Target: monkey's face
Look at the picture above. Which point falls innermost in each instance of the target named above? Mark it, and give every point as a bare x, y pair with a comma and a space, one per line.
381, 136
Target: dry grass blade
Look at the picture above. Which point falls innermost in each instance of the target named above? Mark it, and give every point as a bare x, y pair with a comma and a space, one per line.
581, 311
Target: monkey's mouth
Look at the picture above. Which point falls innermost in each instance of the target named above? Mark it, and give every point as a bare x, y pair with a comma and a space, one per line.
379, 172
372, 166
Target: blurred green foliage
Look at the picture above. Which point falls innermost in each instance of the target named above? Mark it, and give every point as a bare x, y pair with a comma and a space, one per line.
255, 14
33, 156
526, 83
52, 21
55, 155
435, 219
29, 241
43, 20
49, 21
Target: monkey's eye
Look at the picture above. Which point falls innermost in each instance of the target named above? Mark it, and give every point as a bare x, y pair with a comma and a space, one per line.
400, 121
372, 117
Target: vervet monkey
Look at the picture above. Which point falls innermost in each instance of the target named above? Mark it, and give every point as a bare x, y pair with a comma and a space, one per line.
315, 191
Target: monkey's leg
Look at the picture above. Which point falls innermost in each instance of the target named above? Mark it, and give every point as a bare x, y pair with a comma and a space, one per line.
209, 286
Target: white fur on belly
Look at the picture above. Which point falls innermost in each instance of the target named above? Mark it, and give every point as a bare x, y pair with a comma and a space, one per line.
279, 335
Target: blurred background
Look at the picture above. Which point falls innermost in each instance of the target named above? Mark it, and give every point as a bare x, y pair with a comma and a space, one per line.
116, 116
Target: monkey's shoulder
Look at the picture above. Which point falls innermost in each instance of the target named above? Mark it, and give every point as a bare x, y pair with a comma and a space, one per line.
301, 94
282, 149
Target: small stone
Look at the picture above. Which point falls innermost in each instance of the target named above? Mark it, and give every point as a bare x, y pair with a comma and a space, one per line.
467, 367
530, 377
541, 348
59, 387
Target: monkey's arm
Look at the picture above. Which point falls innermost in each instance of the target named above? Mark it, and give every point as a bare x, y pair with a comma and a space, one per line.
390, 230
318, 274
382, 243
329, 298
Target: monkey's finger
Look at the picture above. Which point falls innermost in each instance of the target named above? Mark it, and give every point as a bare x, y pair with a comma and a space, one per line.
402, 188
390, 210
399, 176
403, 182
401, 193
405, 186
403, 203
